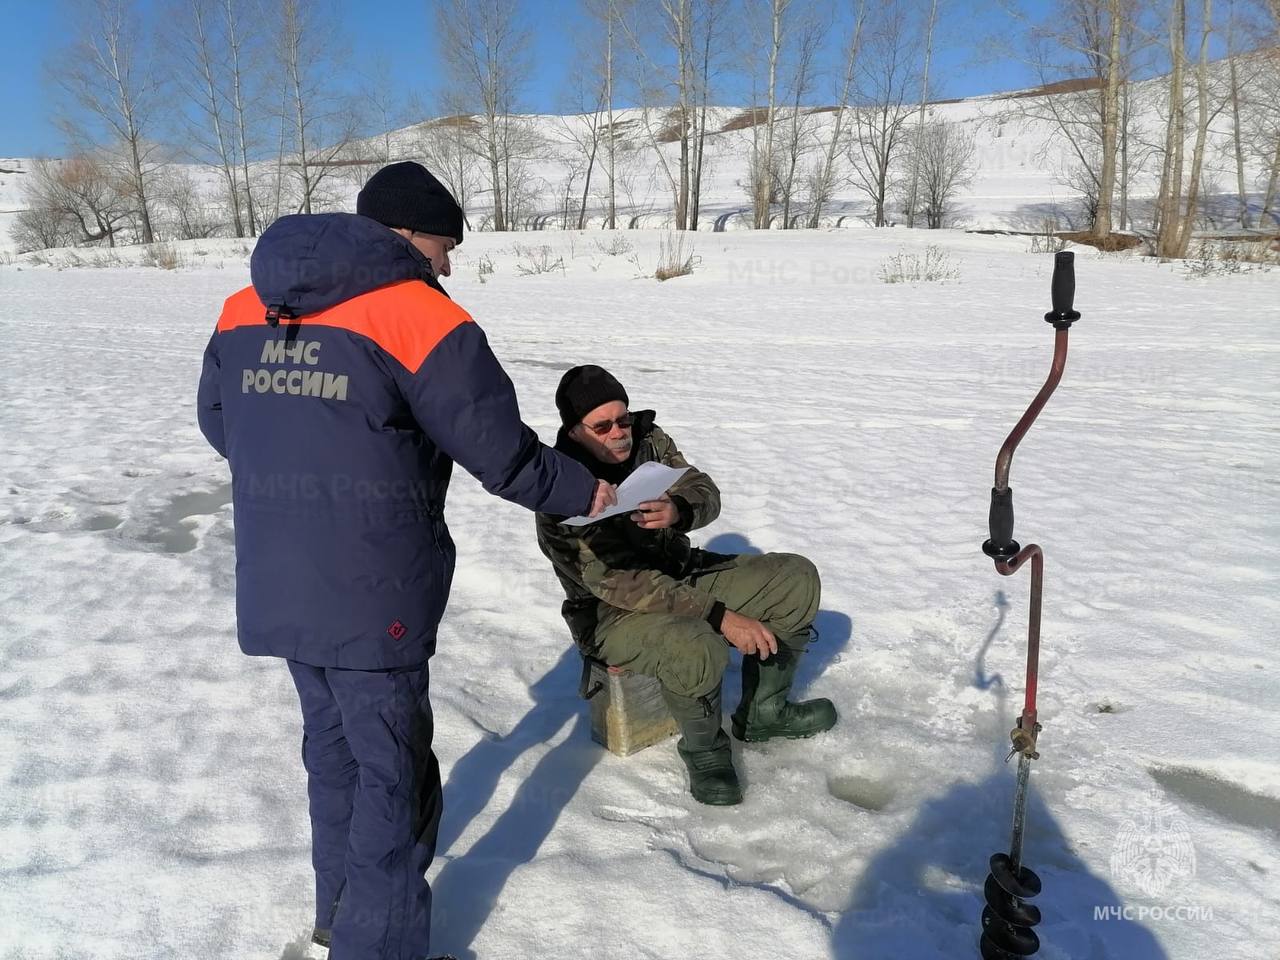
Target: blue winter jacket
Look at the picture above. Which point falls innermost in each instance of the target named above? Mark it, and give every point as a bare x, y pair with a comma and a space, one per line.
341, 421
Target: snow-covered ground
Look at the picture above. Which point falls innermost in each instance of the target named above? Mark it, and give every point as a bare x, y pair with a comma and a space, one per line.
153, 796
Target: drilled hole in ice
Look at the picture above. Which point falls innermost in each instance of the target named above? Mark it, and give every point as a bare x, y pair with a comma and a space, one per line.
862, 792
1228, 800
102, 521
169, 529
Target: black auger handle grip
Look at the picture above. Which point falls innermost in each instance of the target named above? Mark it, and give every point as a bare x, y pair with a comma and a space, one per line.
1063, 291
1001, 546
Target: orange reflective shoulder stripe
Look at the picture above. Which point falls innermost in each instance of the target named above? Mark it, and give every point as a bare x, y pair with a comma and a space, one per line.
406, 319
241, 308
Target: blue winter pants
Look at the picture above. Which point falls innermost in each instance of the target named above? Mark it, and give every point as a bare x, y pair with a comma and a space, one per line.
374, 789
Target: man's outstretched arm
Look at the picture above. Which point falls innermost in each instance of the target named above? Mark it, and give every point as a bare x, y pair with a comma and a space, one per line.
466, 404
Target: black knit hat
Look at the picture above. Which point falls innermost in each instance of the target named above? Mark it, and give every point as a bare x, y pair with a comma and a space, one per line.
584, 388
407, 195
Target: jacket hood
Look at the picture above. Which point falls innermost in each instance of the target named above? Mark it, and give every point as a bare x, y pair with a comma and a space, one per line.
306, 263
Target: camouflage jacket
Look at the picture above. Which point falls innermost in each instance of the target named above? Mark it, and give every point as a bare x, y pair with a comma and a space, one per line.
614, 561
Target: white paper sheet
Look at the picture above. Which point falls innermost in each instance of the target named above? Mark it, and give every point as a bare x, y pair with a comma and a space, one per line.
649, 481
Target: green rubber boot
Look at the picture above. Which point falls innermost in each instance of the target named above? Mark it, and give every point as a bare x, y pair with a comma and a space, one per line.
704, 748
765, 712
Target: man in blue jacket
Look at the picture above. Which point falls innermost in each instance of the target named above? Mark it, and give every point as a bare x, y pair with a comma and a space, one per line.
341, 387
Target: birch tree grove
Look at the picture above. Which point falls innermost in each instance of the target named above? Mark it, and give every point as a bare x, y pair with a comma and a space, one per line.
833, 104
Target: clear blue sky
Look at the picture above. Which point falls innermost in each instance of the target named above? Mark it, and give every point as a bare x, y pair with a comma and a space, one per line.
398, 33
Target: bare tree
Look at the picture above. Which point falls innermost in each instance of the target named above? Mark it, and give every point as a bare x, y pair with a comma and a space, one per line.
924, 99
801, 77
79, 200
1271, 195
611, 16
678, 23
822, 182
187, 215
1203, 117
448, 146
884, 81
1082, 53
522, 188
763, 171
1168, 203
320, 127
610, 29
239, 51
1260, 77
667, 77
41, 228
380, 103
110, 77
201, 76
1133, 153
1179, 197
1112, 69
942, 158
584, 127
1240, 76
485, 44
710, 17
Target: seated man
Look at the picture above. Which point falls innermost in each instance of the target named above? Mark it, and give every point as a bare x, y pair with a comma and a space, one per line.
640, 597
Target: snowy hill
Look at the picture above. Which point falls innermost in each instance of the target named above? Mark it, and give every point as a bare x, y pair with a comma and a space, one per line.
156, 806
1020, 171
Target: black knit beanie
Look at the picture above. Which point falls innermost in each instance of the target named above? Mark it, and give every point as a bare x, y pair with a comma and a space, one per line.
407, 195
584, 388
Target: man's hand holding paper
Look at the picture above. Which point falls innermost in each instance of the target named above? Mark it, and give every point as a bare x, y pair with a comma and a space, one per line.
648, 483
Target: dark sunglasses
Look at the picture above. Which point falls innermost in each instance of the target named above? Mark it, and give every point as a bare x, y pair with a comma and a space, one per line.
604, 427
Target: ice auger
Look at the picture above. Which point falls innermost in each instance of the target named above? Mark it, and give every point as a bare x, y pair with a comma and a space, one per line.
1008, 919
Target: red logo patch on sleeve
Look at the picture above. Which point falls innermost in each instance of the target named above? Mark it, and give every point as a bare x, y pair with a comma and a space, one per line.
397, 630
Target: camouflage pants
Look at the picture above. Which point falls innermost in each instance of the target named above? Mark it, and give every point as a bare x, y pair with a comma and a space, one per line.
781, 590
